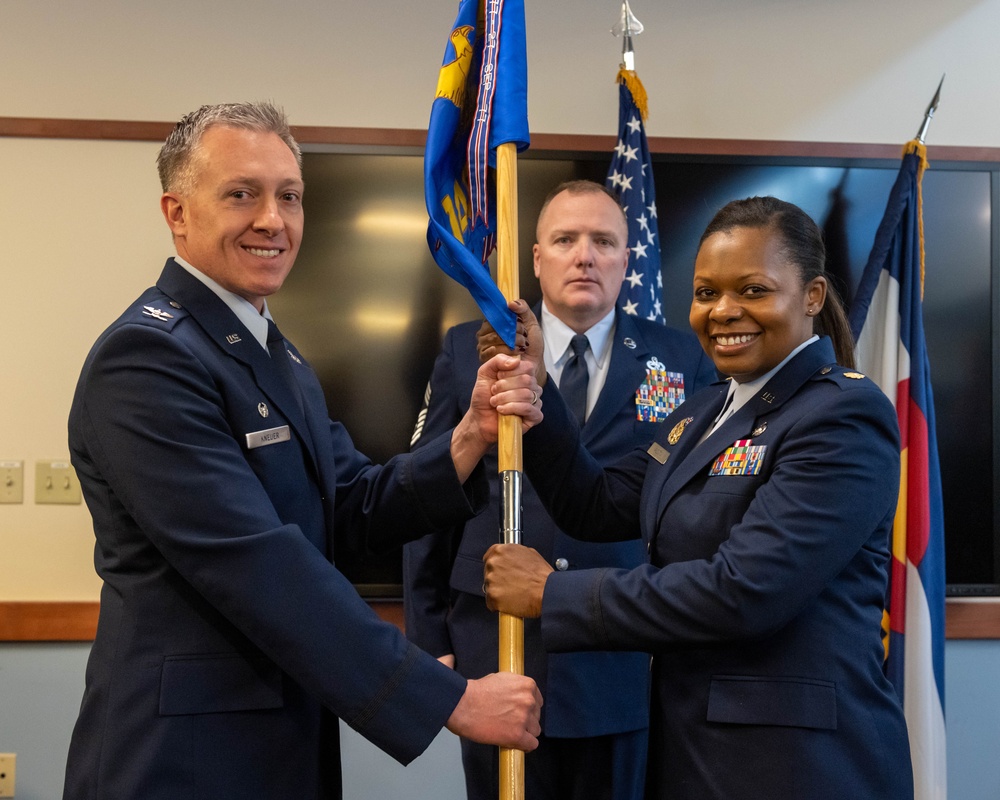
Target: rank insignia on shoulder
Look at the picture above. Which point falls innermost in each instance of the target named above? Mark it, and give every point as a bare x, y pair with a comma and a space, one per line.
855, 375
675, 434
156, 313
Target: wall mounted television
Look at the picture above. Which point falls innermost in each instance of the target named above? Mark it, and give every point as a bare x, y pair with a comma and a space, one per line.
368, 306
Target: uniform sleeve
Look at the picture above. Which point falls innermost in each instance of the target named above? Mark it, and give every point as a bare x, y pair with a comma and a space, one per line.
592, 503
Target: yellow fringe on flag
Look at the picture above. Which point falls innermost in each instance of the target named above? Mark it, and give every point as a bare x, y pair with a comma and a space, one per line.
916, 146
631, 80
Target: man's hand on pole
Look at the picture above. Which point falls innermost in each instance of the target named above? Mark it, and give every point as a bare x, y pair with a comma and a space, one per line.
501, 709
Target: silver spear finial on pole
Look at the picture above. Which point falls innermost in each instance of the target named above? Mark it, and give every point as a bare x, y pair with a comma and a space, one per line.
627, 27
929, 114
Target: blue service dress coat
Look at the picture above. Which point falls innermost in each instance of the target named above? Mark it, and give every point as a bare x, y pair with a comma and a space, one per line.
763, 600
586, 694
227, 644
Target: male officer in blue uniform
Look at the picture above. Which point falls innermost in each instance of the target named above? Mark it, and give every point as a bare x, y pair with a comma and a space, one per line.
228, 644
629, 375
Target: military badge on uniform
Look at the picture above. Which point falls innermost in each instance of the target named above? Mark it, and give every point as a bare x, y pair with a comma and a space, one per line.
742, 458
675, 434
660, 393
156, 313
855, 375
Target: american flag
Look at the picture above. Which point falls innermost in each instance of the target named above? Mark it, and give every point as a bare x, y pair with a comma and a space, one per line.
887, 323
630, 177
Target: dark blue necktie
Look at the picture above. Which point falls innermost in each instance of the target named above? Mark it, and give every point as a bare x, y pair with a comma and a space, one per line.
573, 383
279, 357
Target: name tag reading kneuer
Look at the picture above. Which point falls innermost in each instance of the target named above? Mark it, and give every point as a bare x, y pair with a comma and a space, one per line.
270, 436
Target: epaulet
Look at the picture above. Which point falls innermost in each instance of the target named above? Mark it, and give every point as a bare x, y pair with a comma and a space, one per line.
840, 375
159, 311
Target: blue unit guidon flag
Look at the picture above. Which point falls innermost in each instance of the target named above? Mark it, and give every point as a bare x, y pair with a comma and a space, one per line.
630, 177
481, 102
887, 323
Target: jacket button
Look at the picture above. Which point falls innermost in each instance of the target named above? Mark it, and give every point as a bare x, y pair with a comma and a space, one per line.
562, 564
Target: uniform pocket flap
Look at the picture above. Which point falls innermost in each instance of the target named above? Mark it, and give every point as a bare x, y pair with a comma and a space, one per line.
205, 684
796, 702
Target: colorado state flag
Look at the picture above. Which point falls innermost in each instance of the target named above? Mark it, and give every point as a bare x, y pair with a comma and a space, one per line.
481, 102
887, 323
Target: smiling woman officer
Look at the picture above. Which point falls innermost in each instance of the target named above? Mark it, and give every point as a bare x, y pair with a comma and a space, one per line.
767, 504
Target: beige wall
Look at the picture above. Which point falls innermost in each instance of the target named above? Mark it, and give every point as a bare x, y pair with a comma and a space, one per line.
80, 231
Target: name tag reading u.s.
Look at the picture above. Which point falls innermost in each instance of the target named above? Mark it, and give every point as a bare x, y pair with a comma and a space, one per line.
270, 436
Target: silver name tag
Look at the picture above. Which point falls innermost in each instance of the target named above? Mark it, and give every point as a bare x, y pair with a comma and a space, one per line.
270, 436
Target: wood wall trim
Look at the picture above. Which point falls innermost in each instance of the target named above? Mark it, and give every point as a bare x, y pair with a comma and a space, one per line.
146, 131
48, 622
972, 618
965, 618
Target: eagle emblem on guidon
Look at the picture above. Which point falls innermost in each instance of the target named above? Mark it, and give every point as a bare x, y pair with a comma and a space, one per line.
451, 78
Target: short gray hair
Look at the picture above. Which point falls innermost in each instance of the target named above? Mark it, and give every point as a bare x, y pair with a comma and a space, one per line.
174, 162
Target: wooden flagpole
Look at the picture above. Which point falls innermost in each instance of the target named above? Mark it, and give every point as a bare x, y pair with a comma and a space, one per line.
509, 452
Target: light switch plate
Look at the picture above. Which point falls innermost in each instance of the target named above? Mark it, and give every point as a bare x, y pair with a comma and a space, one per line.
8, 761
56, 482
11, 481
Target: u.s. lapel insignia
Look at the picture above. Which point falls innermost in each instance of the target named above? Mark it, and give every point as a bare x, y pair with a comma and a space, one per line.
629, 342
156, 313
767, 397
233, 338
262, 409
759, 429
675, 434
855, 375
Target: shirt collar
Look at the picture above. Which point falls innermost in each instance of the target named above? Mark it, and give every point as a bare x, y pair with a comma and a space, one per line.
244, 310
557, 335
